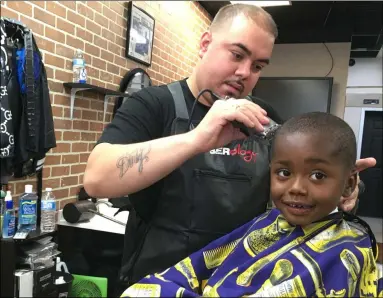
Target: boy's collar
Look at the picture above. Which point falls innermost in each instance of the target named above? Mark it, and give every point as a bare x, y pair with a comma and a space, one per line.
309, 228
335, 214
335, 210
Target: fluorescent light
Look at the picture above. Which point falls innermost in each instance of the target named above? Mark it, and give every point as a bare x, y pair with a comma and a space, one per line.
264, 3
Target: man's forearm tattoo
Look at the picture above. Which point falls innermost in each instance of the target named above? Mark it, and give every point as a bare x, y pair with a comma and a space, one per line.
128, 160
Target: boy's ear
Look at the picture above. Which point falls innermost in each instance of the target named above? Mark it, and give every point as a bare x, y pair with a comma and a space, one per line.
350, 184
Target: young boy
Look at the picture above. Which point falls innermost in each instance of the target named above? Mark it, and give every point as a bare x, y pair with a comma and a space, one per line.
305, 246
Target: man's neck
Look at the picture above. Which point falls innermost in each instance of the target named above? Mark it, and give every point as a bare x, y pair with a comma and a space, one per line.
191, 82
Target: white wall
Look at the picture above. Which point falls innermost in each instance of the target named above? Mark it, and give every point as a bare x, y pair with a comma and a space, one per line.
364, 81
313, 60
367, 72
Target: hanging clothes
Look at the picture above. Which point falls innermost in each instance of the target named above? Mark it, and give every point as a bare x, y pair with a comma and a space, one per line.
27, 85
6, 131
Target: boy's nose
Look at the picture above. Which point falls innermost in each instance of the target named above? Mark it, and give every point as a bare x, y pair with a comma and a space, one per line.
298, 187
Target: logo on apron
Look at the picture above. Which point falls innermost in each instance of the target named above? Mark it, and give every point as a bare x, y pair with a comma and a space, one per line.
246, 155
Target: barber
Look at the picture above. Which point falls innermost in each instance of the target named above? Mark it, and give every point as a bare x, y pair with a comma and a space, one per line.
191, 186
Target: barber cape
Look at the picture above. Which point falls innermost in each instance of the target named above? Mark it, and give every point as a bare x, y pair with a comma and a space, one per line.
268, 257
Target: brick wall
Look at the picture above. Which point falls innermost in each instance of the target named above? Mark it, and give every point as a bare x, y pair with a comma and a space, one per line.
99, 29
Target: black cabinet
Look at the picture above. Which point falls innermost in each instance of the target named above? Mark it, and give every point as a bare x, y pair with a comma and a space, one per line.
9, 251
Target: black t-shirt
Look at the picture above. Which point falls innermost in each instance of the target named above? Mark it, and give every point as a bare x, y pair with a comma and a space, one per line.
147, 115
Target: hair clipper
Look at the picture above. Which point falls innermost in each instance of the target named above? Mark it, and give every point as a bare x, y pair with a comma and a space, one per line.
268, 133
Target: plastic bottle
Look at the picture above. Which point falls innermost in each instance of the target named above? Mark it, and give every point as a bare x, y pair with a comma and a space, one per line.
27, 209
9, 217
79, 70
2, 209
48, 211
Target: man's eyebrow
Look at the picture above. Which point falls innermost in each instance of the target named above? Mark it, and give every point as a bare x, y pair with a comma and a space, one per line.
248, 52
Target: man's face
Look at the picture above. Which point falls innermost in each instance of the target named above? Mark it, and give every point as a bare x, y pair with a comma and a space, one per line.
233, 56
307, 179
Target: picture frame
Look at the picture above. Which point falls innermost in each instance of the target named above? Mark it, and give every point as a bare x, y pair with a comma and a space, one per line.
139, 35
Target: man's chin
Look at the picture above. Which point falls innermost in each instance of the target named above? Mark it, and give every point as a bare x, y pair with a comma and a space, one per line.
230, 92
232, 95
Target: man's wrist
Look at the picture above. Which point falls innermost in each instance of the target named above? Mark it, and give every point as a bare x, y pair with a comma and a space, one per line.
190, 139
189, 144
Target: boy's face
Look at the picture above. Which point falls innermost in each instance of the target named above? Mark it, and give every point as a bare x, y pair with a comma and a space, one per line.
307, 178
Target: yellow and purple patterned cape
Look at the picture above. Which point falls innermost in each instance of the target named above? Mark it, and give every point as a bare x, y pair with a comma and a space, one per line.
269, 258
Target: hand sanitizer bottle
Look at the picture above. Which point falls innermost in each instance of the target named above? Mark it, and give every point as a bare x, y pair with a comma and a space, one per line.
28, 209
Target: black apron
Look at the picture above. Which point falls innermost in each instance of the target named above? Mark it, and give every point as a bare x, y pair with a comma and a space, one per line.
207, 197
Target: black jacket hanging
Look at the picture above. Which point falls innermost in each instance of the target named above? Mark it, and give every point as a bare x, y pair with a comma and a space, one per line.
6, 131
31, 108
6, 114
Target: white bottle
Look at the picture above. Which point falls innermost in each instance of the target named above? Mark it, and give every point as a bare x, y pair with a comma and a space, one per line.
79, 70
9, 217
48, 211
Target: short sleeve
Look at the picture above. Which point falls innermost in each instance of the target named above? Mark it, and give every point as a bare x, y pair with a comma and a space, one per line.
142, 117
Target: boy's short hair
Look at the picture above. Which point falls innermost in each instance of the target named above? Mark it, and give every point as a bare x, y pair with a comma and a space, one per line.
257, 14
337, 133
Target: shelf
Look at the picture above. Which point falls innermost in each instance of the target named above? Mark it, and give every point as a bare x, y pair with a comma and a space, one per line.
32, 236
76, 87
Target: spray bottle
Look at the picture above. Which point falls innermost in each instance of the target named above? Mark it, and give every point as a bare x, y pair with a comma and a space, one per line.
9, 218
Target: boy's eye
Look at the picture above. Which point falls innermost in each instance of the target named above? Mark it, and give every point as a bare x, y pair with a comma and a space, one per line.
317, 176
283, 173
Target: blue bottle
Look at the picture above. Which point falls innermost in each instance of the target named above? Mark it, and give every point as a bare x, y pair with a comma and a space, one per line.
27, 210
9, 218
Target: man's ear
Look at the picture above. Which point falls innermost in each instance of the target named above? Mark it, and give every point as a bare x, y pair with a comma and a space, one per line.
350, 184
204, 43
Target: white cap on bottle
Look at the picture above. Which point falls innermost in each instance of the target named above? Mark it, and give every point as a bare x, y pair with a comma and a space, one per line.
48, 189
28, 188
8, 197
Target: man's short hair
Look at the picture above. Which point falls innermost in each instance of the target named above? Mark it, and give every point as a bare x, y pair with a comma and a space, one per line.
257, 14
334, 131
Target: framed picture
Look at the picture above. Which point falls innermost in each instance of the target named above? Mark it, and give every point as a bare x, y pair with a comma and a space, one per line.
140, 35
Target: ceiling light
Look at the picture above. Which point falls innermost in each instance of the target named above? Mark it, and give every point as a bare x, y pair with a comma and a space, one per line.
264, 3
